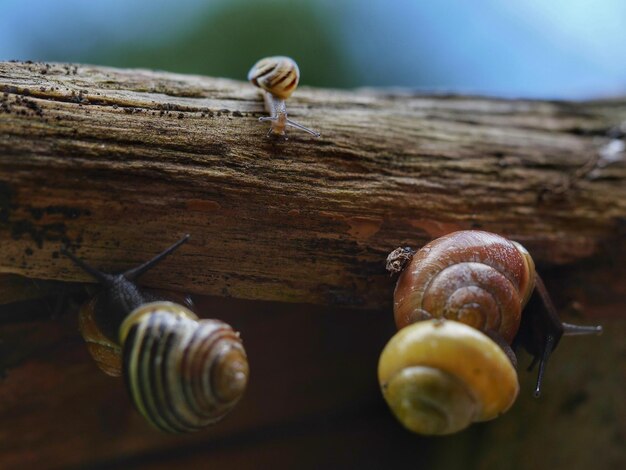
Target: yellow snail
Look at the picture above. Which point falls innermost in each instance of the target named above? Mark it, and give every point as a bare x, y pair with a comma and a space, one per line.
182, 373
472, 278
429, 384
277, 77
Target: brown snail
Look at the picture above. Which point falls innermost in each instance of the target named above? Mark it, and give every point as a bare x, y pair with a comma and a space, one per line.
482, 280
182, 373
277, 77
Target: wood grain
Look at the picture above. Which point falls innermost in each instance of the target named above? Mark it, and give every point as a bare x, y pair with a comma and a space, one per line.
120, 163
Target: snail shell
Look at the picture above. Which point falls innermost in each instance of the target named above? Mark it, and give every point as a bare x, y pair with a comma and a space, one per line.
278, 75
478, 278
440, 376
182, 373
106, 353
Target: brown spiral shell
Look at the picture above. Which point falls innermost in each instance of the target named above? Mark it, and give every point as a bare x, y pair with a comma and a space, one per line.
278, 75
474, 277
182, 373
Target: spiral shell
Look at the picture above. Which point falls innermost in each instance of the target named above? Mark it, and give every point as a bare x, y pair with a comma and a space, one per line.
182, 373
278, 75
439, 376
478, 278
106, 353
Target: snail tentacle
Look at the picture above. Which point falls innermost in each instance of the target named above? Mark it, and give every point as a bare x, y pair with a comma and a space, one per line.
579, 330
540, 334
302, 128
102, 278
548, 348
134, 273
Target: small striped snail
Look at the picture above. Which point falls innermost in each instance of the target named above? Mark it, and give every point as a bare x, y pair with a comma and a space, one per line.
462, 289
182, 373
277, 77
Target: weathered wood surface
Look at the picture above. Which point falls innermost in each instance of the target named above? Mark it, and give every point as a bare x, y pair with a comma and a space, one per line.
120, 163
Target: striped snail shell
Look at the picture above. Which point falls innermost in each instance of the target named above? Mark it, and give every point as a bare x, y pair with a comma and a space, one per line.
278, 75
182, 373
478, 278
440, 376
105, 350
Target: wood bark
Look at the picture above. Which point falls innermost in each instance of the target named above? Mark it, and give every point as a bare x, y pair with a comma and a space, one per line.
118, 164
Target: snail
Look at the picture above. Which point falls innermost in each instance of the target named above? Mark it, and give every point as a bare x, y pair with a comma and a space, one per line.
427, 381
277, 77
182, 373
482, 280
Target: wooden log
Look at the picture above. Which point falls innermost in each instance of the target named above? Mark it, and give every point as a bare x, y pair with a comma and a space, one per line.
120, 163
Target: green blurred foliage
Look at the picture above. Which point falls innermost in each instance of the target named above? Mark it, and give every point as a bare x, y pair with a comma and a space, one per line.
226, 41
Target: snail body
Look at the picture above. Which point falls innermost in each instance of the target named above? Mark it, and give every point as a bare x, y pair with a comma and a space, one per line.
481, 280
277, 77
182, 373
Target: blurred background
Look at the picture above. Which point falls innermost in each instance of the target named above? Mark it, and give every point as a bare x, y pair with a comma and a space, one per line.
313, 400
566, 49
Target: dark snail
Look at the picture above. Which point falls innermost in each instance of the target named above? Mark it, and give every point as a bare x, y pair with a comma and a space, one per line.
182, 373
481, 280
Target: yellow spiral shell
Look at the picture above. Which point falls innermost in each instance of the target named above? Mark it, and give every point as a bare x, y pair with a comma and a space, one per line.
278, 75
439, 376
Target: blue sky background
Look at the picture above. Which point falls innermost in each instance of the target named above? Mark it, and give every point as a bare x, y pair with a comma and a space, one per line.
572, 49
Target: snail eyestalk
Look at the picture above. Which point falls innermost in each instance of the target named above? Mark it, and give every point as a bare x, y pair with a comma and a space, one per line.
581, 330
133, 274
552, 329
101, 277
